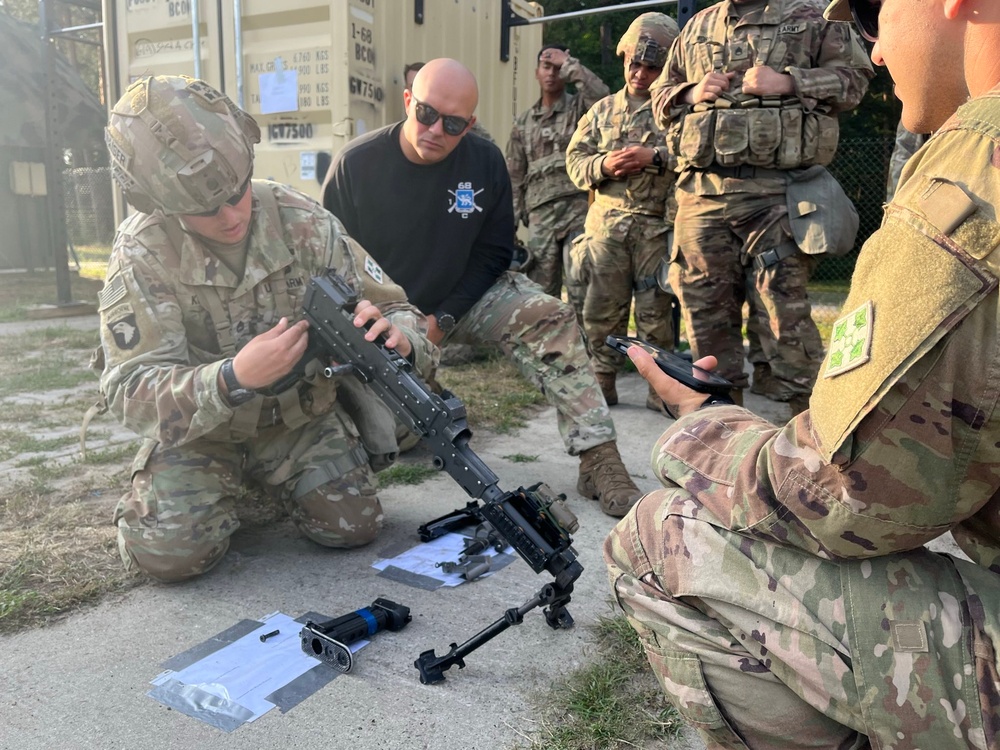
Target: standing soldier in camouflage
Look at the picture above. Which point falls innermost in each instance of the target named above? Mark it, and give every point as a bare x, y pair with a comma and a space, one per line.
545, 200
751, 94
200, 319
619, 152
779, 581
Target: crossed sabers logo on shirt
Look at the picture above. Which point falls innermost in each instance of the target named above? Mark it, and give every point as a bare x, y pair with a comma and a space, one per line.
464, 199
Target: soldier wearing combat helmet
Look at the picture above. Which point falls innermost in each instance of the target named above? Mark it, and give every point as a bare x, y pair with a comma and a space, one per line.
620, 153
545, 200
779, 580
200, 321
749, 99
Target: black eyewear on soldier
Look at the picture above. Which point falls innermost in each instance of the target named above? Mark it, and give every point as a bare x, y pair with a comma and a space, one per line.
427, 115
233, 201
865, 13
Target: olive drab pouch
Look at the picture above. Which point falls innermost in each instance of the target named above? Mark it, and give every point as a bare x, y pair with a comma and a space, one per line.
732, 137
672, 137
790, 148
764, 125
819, 139
697, 147
823, 219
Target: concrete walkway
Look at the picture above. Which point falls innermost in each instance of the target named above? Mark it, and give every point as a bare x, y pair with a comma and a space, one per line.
82, 682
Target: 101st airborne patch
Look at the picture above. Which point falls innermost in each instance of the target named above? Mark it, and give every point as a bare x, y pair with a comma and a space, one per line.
851, 341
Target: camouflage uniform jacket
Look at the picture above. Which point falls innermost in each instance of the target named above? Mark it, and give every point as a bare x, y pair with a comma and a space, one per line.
902, 439
827, 63
163, 347
609, 126
536, 152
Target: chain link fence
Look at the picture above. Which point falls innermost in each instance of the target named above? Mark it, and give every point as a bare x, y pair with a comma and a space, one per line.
90, 217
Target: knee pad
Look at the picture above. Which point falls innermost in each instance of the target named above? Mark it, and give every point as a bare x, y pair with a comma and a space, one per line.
342, 511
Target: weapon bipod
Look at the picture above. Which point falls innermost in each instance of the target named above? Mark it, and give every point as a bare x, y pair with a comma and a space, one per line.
432, 667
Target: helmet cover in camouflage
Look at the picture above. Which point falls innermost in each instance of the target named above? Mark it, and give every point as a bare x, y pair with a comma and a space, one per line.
647, 39
179, 145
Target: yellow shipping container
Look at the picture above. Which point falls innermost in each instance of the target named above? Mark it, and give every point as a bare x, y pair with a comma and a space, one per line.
315, 75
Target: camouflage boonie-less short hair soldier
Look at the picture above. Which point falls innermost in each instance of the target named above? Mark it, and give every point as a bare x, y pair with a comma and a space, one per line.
647, 39
179, 145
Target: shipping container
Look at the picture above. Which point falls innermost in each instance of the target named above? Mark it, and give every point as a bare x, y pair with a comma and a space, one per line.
315, 75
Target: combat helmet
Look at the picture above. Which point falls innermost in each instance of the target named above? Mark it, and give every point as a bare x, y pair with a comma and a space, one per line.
179, 145
647, 39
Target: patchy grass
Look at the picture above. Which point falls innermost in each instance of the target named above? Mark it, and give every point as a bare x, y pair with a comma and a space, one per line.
405, 474
495, 395
57, 552
47, 359
520, 458
614, 702
20, 291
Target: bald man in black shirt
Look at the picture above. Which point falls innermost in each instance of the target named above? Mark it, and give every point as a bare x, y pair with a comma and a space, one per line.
435, 210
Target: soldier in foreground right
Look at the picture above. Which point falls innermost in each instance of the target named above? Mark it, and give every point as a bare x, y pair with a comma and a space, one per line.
779, 582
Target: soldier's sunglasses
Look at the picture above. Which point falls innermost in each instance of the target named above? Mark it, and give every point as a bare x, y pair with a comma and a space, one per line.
234, 201
427, 115
865, 13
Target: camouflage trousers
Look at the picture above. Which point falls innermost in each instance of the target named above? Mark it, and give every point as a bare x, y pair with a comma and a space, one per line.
553, 227
539, 334
713, 272
623, 253
176, 521
768, 647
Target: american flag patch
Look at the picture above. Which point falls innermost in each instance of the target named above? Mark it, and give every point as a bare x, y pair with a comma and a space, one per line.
113, 291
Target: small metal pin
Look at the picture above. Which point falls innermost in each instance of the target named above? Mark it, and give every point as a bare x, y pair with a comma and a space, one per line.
269, 635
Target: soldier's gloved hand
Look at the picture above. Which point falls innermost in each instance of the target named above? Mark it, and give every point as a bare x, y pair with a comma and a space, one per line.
710, 87
271, 355
680, 399
364, 312
761, 80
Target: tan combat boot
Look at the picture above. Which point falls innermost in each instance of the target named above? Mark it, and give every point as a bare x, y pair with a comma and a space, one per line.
607, 383
603, 477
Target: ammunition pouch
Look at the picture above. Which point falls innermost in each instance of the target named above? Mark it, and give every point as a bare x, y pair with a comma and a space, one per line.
771, 132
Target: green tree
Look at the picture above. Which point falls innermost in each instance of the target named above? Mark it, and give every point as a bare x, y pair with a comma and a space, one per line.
85, 58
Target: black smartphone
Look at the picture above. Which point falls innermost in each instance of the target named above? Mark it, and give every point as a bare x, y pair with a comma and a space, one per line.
695, 378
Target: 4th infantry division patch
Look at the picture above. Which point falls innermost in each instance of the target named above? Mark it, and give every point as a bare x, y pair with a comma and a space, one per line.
851, 342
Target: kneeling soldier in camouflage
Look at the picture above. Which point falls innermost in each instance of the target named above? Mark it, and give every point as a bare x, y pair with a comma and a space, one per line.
200, 317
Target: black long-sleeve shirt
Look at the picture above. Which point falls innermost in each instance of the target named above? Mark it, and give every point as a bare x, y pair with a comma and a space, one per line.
443, 231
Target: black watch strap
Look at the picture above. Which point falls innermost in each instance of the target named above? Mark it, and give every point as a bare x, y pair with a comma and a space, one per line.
237, 394
717, 399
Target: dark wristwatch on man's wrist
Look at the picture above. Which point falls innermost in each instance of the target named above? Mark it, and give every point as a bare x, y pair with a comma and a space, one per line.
237, 393
445, 321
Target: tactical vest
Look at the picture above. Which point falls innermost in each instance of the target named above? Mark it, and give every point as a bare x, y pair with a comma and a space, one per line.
742, 129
